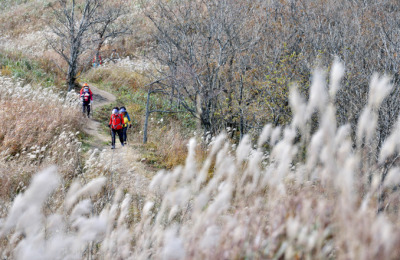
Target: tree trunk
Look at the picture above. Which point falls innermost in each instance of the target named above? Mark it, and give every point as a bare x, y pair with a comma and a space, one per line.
147, 117
71, 78
73, 65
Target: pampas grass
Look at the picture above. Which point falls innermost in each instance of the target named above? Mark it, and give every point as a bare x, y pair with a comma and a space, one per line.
257, 204
38, 128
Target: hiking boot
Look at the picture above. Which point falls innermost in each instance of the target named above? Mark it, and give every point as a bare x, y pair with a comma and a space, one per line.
122, 144
113, 147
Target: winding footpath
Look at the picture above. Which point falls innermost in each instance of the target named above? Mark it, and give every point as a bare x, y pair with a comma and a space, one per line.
129, 172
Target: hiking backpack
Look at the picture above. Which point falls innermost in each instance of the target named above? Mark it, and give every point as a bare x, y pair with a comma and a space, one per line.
86, 96
117, 122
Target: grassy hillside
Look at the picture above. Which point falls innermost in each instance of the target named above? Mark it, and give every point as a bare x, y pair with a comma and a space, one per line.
267, 148
38, 128
243, 202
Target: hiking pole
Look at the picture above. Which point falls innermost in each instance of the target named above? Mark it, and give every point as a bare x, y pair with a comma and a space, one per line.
110, 192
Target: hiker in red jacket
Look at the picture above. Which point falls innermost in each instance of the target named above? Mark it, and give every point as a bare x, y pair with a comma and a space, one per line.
86, 98
97, 61
116, 124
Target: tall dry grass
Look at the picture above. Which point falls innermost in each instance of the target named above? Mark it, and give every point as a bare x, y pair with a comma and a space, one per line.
339, 202
116, 77
38, 128
167, 147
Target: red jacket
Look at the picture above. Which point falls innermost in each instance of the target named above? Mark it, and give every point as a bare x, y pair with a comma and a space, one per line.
116, 122
82, 92
100, 61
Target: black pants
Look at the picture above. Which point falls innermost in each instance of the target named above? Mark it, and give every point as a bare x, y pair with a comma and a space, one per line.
119, 132
86, 107
124, 136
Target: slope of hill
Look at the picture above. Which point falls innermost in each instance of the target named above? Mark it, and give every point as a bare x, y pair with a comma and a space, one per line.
320, 181
245, 202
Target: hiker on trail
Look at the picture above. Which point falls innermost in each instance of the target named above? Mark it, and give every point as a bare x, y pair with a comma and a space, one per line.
97, 61
127, 123
116, 124
114, 56
86, 98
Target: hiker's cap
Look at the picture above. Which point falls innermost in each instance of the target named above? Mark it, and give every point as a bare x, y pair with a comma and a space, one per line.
122, 110
86, 85
115, 111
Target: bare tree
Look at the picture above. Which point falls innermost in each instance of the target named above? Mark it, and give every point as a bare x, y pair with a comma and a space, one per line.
80, 25
73, 22
229, 63
113, 20
201, 43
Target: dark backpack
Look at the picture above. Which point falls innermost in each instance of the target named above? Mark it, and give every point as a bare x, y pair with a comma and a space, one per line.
86, 96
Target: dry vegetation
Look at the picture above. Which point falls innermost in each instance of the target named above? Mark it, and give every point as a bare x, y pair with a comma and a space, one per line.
245, 202
22, 18
116, 77
38, 128
320, 181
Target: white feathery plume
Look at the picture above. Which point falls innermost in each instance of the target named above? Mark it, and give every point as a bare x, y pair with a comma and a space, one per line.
147, 208
84, 207
255, 171
190, 165
392, 144
221, 202
200, 202
210, 238
71, 197
275, 135
299, 107
157, 180
318, 93
342, 134
219, 141
173, 245
292, 227
366, 125
336, 75
31, 201
378, 90
393, 177
383, 237
265, 134
124, 209
315, 148
90, 229
243, 150
90, 189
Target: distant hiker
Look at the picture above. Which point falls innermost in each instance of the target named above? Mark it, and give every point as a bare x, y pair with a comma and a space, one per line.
116, 124
127, 122
114, 56
86, 98
97, 61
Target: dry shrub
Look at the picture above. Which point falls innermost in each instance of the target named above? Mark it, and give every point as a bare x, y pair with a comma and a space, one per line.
5, 70
23, 126
37, 128
23, 18
172, 147
168, 145
116, 77
53, 64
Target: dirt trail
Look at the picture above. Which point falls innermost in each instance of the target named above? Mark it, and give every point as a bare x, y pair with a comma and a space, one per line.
131, 173
100, 98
